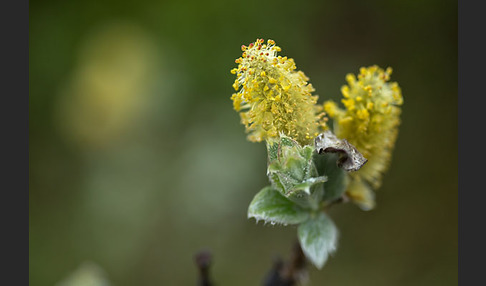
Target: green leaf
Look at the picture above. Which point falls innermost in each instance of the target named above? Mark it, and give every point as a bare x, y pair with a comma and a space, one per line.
287, 141
310, 170
274, 146
270, 206
307, 198
307, 194
282, 181
295, 167
307, 152
336, 184
307, 184
272, 150
318, 238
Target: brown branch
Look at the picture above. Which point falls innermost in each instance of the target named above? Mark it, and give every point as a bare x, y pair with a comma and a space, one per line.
288, 274
203, 261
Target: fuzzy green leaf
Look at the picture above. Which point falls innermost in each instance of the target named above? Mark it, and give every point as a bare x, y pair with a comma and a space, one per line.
318, 238
287, 141
282, 181
270, 206
308, 196
296, 168
272, 150
336, 184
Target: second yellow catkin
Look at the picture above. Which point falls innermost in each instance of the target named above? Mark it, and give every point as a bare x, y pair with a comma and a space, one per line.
369, 120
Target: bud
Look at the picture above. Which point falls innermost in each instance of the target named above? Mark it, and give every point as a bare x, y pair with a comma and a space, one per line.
292, 171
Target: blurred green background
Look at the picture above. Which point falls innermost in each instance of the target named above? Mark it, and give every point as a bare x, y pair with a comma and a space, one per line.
137, 160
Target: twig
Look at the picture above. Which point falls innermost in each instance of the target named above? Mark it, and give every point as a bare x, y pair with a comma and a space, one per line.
203, 261
288, 274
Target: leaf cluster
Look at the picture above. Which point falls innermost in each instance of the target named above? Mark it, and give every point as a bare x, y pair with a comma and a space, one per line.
302, 183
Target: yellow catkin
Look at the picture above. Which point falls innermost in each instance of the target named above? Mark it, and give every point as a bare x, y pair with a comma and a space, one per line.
370, 122
273, 98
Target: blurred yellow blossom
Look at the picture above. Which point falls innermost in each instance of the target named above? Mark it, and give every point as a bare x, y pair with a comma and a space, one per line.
273, 98
109, 88
370, 122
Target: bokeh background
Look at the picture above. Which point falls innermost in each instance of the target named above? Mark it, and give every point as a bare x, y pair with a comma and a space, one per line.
137, 160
